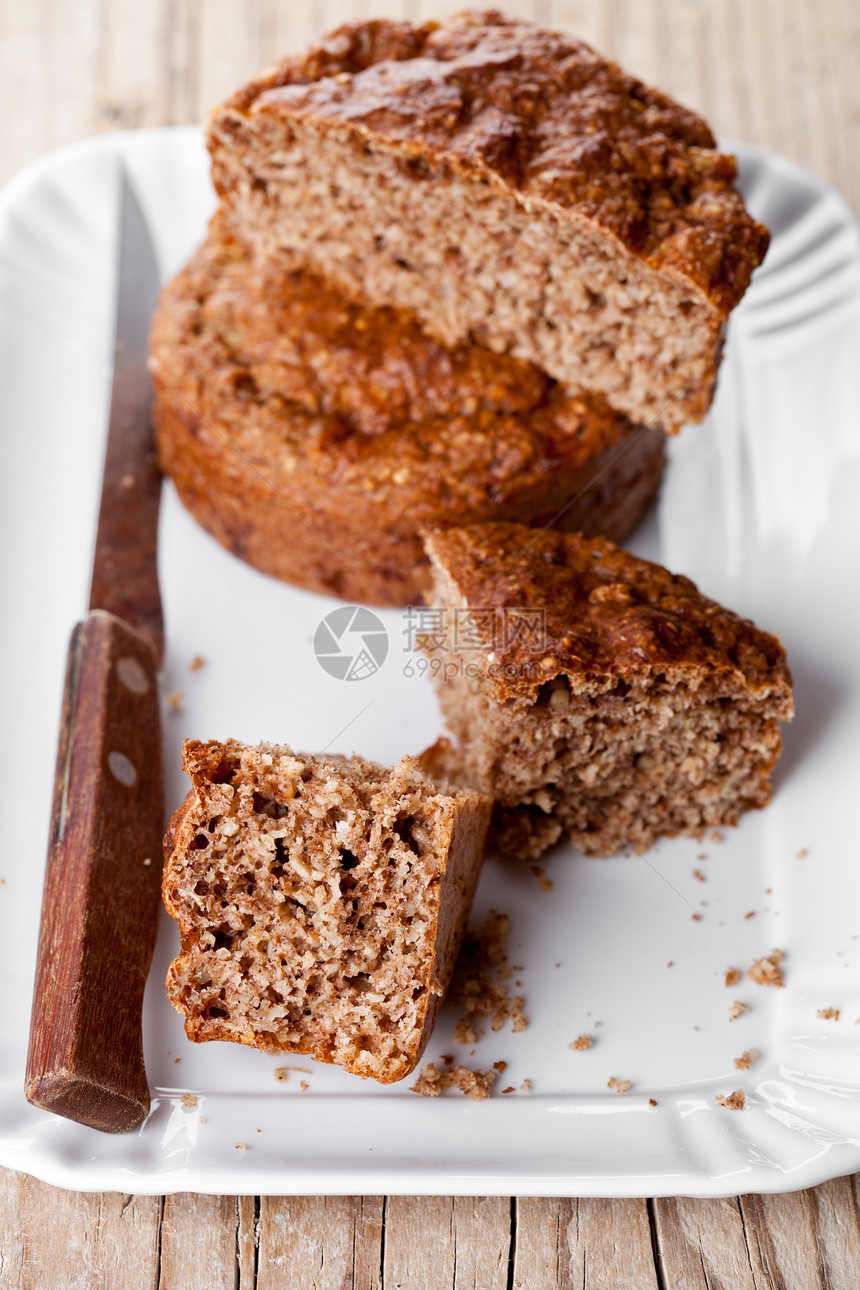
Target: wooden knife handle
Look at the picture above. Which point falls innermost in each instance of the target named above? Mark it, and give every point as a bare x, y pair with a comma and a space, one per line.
101, 896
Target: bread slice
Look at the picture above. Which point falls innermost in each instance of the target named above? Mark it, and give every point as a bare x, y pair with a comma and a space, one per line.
596, 696
320, 902
313, 436
509, 185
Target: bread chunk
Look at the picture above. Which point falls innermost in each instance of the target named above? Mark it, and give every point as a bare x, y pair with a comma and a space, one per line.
509, 185
320, 902
313, 436
598, 697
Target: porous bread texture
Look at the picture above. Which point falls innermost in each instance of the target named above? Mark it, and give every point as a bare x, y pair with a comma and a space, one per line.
509, 185
320, 902
603, 700
313, 436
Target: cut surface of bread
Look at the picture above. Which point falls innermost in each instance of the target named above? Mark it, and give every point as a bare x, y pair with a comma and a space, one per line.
320, 902
313, 436
508, 185
600, 699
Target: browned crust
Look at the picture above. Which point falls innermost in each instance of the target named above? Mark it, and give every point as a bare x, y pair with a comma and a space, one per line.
609, 616
538, 114
313, 437
468, 816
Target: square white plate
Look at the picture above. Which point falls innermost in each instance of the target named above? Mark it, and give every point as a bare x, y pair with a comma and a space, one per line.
759, 506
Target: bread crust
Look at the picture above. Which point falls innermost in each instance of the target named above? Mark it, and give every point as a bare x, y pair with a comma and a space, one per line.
314, 437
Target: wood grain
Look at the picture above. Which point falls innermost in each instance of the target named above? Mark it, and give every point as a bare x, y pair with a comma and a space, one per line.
574, 1244
782, 73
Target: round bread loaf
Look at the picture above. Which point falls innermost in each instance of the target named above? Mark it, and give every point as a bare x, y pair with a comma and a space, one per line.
315, 437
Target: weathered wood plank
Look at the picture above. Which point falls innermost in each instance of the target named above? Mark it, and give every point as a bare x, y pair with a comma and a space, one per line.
75, 1240
574, 1244
703, 1245
320, 1243
199, 1243
459, 1241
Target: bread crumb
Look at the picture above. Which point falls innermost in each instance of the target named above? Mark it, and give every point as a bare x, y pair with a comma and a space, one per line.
735, 1101
597, 1023
203, 1119
766, 971
828, 1014
526, 1086
545, 884
697, 918
281, 1074
699, 876
538, 870
733, 976
241, 1146
652, 1101
703, 856
620, 1085
189, 1099
304, 1085
803, 853
196, 663
671, 963
715, 836
746, 1059
509, 1089
432, 1081
751, 914
501, 1067
174, 700
581, 1043
737, 1010
479, 982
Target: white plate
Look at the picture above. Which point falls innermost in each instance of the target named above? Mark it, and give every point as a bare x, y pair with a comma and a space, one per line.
760, 506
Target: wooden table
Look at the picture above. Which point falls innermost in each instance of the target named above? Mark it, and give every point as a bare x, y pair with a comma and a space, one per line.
785, 73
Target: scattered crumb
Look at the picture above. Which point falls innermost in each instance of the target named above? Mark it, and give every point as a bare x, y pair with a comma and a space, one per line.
751, 914
545, 884
620, 1085
768, 891
737, 1010
176, 1060
746, 1059
259, 1130
733, 976
304, 1085
501, 1067
203, 1119
174, 700
766, 971
581, 1043
828, 1014
671, 963
196, 663
189, 1099
703, 856
597, 1023
652, 1101
715, 836
479, 982
803, 853
241, 1146
538, 870
526, 1086
281, 1074
697, 918
447, 1059
464, 1032
699, 876
697, 1027
735, 1101
509, 1089
432, 1081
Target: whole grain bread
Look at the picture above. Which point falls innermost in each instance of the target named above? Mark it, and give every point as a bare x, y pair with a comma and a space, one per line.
509, 185
596, 696
320, 901
313, 436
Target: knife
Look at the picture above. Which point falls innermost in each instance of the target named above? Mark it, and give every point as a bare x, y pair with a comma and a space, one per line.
100, 903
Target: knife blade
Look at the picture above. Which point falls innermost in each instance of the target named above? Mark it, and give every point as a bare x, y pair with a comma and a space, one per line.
101, 895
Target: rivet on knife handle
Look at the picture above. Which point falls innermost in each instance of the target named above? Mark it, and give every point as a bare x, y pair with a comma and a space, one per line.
100, 904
